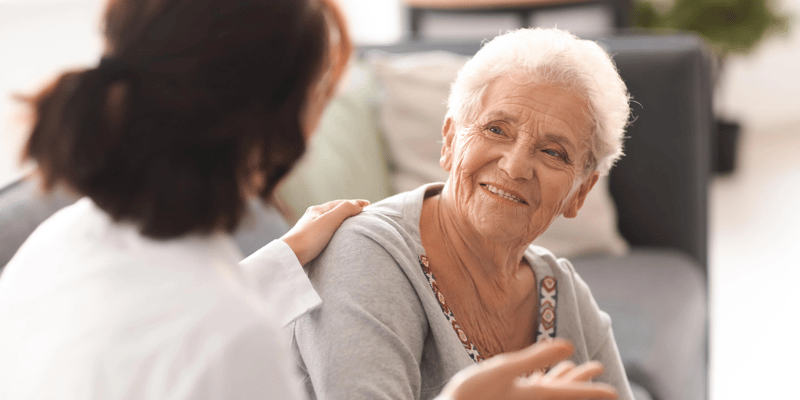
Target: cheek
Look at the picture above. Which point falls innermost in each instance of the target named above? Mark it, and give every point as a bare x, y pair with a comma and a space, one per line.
471, 154
557, 190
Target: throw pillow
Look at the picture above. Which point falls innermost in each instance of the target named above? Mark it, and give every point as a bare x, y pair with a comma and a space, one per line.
345, 157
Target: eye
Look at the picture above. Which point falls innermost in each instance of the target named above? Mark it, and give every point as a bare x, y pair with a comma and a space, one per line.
496, 130
554, 153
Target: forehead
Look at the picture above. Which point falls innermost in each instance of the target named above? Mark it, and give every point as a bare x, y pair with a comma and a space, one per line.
520, 103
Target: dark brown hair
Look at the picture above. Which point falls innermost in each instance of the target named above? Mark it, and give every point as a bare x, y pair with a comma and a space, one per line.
163, 131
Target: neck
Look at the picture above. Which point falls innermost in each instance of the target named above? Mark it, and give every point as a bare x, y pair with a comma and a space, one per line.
488, 286
492, 268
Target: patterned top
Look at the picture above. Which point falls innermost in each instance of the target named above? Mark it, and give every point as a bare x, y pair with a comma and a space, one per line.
548, 295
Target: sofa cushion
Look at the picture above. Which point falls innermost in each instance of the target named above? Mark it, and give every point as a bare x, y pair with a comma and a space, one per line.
412, 105
657, 302
345, 158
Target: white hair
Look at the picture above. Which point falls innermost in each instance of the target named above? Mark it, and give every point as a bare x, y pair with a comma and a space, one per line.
551, 56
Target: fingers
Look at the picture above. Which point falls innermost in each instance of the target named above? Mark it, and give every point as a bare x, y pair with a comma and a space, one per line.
560, 370
500, 376
343, 209
568, 371
323, 208
536, 356
326, 207
585, 371
573, 390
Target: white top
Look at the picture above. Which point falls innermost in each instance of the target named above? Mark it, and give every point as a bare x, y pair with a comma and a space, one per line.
91, 309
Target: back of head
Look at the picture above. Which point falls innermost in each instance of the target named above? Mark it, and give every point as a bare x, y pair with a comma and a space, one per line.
551, 57
190, 100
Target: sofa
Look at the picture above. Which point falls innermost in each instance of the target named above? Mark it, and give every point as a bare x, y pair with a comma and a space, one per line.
641, 246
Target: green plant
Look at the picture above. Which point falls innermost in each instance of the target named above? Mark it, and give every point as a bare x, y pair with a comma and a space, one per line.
730, 26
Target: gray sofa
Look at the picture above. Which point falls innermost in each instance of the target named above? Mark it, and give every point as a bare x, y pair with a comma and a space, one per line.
657, 293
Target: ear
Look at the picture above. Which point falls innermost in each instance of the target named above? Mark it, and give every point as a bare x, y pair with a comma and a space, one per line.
448, 133
577, 201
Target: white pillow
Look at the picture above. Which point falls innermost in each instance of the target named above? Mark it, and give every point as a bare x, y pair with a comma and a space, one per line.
345, 158
412, 106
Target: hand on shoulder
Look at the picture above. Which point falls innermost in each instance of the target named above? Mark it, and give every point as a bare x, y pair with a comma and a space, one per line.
316, 227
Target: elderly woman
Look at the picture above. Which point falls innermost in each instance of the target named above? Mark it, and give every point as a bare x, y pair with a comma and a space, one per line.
427, 282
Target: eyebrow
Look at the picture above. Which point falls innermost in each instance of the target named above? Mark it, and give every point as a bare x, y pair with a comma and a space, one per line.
502, 115
554, 137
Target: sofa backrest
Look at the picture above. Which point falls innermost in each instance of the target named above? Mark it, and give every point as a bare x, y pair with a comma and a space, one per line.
660, 186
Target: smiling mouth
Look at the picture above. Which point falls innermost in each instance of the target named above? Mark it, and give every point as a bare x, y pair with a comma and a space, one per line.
496, 191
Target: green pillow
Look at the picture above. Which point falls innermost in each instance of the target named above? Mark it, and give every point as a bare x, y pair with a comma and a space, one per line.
345, 158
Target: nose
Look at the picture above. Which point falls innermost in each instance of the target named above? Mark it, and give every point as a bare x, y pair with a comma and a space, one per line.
517, 162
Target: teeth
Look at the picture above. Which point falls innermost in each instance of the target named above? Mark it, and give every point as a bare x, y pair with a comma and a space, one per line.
502, 193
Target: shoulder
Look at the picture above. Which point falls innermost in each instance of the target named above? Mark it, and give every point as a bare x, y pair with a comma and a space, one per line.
394, 216
382, 232
371, 251
545, 261
561, 268
576, 304
62, 226
372, 261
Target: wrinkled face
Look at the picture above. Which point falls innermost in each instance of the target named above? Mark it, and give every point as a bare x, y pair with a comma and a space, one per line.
520, 164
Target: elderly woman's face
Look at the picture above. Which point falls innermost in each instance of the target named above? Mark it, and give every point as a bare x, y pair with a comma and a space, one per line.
519, 165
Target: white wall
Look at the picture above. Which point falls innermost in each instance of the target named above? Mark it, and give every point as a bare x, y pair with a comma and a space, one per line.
374, 21
40, 37
761, 89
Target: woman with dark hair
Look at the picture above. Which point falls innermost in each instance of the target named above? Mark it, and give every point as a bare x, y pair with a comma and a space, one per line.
134, 291
137, 290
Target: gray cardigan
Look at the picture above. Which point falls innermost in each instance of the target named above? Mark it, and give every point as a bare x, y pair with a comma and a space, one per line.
381, 333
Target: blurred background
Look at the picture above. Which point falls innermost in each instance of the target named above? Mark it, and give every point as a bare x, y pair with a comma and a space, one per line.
754, 219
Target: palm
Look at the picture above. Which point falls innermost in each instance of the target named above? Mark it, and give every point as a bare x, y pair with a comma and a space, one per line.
509, 376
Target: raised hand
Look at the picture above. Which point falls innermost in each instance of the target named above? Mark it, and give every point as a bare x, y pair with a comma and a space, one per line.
518, 375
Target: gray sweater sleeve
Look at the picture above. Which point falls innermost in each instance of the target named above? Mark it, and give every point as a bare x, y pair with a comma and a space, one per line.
366, 340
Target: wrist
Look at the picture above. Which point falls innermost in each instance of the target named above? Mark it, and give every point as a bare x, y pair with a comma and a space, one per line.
296, 247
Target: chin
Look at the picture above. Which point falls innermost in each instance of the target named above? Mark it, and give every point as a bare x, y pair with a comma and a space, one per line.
501, 229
